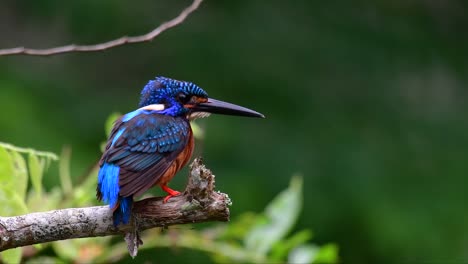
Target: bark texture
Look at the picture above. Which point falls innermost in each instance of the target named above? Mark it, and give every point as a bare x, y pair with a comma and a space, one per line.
198, 203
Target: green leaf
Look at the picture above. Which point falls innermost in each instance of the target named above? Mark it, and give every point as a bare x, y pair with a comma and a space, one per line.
64, 170
198, 132
313, 254
45, 260
21, 174
327, 254
42, 154
278, 219
48, 201
10, 200
102, 146
38, 246
11, 203
7, 169
281, 249
36, 170
66, 249
84, 192
84, 250
110, 122
238, 228
12, 256
303, 254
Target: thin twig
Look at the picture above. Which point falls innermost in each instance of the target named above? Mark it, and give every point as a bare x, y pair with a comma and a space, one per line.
106, 45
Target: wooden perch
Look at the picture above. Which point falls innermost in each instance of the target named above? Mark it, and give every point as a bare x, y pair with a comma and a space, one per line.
198, 203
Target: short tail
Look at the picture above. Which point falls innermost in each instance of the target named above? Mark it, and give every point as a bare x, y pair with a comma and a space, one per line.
108, 191
123, 212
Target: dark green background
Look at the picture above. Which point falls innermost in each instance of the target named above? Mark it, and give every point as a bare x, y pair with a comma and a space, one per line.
366, 99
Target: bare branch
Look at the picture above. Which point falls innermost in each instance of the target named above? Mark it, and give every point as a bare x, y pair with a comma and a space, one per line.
198, 203
106, 45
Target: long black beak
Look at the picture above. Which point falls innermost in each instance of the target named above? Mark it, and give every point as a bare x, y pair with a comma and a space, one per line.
219, 107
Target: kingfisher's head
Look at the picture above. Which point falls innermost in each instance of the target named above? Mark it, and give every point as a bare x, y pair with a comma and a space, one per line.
180, 98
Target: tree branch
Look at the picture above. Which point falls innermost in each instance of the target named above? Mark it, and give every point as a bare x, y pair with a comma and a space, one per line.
106, 45
198, 203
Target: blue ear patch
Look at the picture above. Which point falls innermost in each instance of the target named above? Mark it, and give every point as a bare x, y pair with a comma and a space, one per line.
108, 183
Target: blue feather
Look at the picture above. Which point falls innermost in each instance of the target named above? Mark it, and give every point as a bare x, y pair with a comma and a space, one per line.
123, 213
161, 89
117, 135
131, 115
108, 183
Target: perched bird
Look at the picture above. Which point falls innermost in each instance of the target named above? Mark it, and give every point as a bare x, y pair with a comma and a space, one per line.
148, 146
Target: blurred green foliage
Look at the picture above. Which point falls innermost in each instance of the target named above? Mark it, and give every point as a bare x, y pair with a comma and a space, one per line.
254, 238
367, 99
14, 178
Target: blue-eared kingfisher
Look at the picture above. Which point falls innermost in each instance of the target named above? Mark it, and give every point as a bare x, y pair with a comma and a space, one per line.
148, 146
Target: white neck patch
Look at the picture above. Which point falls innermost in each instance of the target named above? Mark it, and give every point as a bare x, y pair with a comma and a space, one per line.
154, 107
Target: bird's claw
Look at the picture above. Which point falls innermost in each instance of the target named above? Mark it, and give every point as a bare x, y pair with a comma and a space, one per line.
173, 194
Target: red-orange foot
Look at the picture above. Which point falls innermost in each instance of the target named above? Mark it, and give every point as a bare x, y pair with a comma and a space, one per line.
171, 193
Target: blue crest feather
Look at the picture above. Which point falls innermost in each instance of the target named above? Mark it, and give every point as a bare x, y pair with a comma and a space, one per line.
162, 88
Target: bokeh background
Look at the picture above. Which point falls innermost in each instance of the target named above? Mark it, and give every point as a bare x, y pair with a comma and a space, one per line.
365, 99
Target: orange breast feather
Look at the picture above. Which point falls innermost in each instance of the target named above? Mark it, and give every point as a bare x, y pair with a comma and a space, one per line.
182, 159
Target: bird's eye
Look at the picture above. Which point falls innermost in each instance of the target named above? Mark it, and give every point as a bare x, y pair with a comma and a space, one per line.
183, 98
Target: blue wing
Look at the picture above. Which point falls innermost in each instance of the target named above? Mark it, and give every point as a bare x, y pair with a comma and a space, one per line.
143, 144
